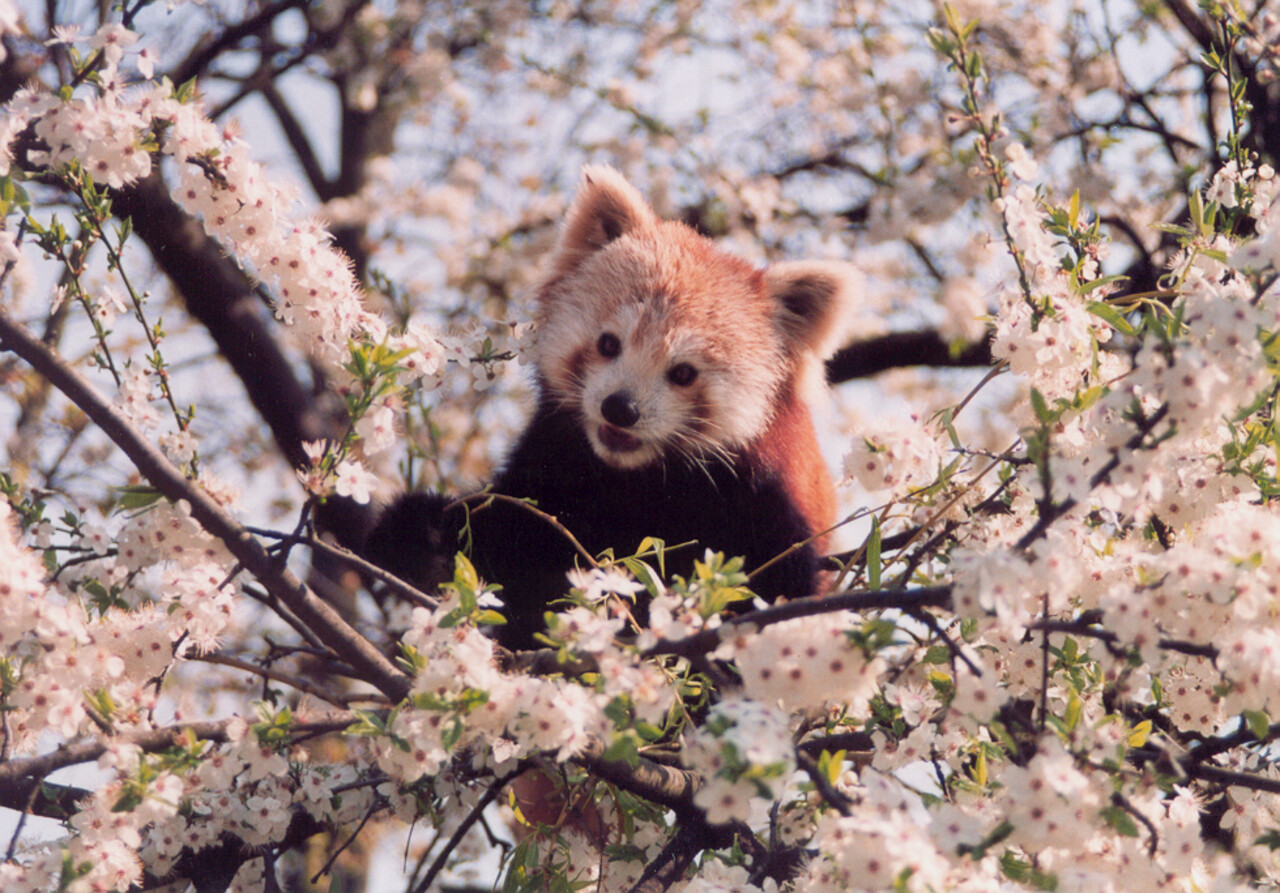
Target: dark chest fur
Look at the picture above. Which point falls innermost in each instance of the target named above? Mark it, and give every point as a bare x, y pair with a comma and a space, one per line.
737, 508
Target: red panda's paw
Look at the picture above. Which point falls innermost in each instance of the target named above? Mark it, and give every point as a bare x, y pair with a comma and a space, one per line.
413, 541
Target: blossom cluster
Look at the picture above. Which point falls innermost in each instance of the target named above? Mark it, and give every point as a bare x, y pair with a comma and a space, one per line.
805, 663
1084, 700
114, 132
900, 456
743, 751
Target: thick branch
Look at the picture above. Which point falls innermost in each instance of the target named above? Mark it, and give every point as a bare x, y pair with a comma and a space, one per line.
42, 798
923, 347
18, 771
862, 600
1249, 780
654, 782
37, 767
196, 64
328, 625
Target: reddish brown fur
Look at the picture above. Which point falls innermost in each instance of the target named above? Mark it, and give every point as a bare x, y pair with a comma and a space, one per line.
790, 446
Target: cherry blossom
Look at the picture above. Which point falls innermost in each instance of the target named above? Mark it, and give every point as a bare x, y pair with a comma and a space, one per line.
1051, 664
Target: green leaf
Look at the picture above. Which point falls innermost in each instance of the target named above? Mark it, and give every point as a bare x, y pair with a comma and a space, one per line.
648, 731
1075, 709
831, 765
1259, 723
1070, 650
186, 91
952, 19
1024, 872
464, 573
936, 655
973, 66
942, 45
659, 548
451, 735
643, 573
1043, 414
1117, 818
873, 556
1112, 317
1139, 734
1101, 281
136, 496
622, 750
947, 418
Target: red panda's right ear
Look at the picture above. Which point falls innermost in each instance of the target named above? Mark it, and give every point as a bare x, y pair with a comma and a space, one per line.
605, 208
813, 300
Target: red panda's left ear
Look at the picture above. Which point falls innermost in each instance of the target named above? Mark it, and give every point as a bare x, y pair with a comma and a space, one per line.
605, 208
812, 302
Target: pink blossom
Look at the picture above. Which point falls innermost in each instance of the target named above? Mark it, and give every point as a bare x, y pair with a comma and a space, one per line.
354, 480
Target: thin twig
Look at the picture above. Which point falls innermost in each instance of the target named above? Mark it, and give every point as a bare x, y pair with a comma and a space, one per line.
22, 820
1053, 512
485, 497
373, 809
266, 599
1084, 627
936, 628
1044, 664
346, 555
1118, 799
289, 679
451, 844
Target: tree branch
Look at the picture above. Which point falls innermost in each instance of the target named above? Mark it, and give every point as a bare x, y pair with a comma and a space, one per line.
860, 600
298, 141
22, 770
922, 347
328, 625
292, 680
42, 798
655, 782
1237, 779
198, 61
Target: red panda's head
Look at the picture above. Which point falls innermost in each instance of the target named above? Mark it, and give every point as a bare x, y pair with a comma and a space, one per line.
662, 344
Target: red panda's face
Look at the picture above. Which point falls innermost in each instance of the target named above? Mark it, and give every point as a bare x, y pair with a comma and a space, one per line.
663, 346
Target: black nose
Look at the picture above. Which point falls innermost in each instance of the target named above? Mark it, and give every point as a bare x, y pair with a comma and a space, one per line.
620, 409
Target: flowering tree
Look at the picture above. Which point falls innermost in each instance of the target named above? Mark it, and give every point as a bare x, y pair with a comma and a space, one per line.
1052, 644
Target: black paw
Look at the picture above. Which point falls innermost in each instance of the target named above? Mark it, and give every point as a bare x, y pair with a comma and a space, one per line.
412, 541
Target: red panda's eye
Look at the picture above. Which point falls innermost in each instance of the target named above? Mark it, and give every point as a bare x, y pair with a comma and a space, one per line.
682, 374
609, 345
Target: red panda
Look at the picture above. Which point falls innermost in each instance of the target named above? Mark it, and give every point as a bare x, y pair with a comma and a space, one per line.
671, 381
